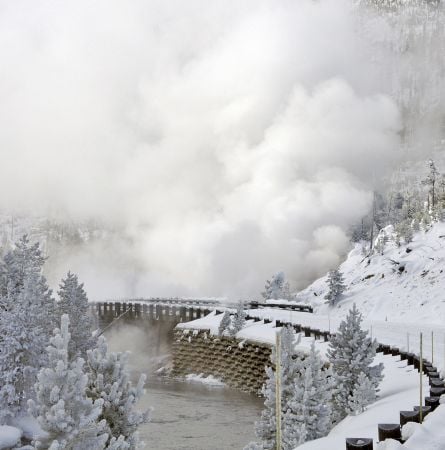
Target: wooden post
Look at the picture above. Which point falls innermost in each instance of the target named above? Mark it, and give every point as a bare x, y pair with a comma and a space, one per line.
432, 347
421, 379
278, 389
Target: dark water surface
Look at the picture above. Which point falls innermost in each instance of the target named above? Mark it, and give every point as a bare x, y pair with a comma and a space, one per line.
186, 415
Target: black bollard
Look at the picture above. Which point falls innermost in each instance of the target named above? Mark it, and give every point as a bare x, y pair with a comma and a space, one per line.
433, 402
410, 357
437, 382
359, 443
409, 416
403, 356
433, 374
386, 349
425, 410
437, 391
395, 351
389, 431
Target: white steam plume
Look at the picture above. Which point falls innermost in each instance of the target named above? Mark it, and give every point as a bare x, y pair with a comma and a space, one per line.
226, 140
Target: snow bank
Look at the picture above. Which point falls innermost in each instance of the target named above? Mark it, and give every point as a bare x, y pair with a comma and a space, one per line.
201, 378
210, 322
9, 436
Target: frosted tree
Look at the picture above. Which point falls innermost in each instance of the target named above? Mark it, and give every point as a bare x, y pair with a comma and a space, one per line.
239, 319
109, 380
351, 353
431, 180
69, 418
224, 324
404, 230
336, 287
25, 323
363, 395
308, 414
265, 428
74, 302
25, 258
277, 288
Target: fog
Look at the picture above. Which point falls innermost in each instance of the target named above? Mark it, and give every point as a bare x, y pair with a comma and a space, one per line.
223, 140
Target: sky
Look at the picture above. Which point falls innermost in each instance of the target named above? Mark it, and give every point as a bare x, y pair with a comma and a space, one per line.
224, 140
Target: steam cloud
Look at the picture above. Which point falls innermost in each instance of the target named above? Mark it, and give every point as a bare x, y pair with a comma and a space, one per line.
226, 140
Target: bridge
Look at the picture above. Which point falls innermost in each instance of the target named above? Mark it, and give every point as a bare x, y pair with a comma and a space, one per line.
181, 309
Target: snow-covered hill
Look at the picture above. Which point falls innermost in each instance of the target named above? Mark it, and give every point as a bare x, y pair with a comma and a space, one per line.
406, 283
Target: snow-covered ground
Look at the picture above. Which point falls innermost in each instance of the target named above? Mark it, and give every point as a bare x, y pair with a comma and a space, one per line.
9, 436
252, 331
399, 391
405, 284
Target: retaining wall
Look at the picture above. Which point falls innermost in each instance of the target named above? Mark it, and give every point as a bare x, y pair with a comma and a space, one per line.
239, 364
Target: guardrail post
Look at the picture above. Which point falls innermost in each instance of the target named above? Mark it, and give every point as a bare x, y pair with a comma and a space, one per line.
359, 443
389, 431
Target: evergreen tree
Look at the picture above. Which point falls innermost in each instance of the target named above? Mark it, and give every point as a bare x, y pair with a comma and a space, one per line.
25, 325
363, 395
224, 324
431, 181
351, 353
265, 428
308, 414
109, 380
239, 319
74, 302
62, 408
277, 288
24, 259
404, 230
336, 287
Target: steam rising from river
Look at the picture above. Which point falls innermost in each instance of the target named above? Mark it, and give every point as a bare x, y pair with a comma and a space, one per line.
224, 140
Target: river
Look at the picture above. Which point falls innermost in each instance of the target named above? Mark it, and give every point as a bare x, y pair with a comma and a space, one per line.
186, 415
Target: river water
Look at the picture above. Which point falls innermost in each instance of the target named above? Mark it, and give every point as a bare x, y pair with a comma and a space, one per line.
186, 415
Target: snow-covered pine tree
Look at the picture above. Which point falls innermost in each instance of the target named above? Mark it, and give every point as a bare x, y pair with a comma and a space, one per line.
239, 319
405, 230
363, 395
277, 288
265, 428
224, 324
23, 259
25, 322
62, 408
74, 302
351, 353
336, 287
431, 181
308, 414
109, 380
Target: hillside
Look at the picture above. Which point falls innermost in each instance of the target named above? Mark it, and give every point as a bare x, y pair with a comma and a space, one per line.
406, 283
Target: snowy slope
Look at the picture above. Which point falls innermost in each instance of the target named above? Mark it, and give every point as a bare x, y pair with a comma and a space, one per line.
406, 283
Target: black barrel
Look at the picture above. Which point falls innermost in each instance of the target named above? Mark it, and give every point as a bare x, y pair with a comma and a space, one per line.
389, 431
359, 443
